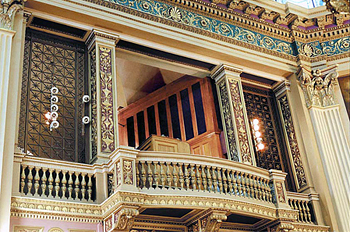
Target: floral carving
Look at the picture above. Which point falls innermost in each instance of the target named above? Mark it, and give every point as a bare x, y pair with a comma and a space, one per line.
226, 111
292, 141
7, 14
119, 174
318, 87
93, 94
106, 83
124, 219
280, 192
128, 175
309, 49
240, 121
209, 223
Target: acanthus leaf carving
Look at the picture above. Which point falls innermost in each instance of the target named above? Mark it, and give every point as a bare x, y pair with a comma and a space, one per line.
318, 86
124, 219
7, 13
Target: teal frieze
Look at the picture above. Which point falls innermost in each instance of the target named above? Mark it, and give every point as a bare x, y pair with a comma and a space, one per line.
187, 18
337, 46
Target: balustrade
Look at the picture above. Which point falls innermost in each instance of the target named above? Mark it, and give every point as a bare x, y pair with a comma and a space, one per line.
302, 203
178, 175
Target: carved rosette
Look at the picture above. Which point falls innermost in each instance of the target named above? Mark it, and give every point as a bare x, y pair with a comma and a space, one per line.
240, 121
106, 87
292, 141
226, 111
318, 86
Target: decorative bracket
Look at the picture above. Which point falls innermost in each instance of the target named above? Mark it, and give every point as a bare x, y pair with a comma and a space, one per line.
318, 85
121, 220
210, 222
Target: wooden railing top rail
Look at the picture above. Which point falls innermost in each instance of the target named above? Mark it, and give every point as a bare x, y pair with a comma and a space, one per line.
57, 164
298, 196
201, 160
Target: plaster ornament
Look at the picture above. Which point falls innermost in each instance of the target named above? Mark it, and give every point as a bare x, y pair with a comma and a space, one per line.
318, 86
7, 13
338, 6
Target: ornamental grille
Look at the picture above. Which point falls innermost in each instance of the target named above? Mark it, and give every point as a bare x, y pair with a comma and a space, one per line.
259, 106
52, 61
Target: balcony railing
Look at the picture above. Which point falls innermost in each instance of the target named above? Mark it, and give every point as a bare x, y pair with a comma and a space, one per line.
202, 174
152, 173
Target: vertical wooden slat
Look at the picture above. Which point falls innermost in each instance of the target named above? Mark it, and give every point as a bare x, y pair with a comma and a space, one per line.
170, 127
145, 116
193, 111
136, 131
157, 118
208, 105
181, 118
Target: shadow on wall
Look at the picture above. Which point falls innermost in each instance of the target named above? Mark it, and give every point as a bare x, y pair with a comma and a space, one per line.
344, 83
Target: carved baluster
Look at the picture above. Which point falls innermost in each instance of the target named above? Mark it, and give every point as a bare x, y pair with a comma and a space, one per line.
256, 187
156, 174
143, 175
229, 180
187, 179
50, 182
239, 181
213, 176
57, 183
308, 212
304, 211
76, 185
89, 190
263, 189
64, 184
224, 180
23, 178
199, 180
36, 181
252, 185
234, 179
169, 178
43, 182
30, 179
300, 211
248, 176
181, 175
269, 190
137, 175
162, 174
193, 176
219, 179
204, 178
83, 186
70, 184
175, 176
150, 174
210, 183
243, 175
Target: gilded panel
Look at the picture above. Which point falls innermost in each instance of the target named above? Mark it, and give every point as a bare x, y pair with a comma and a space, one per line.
292, 141
28, 229
226, 111
240, 121
93, 94
106, 85
336, 46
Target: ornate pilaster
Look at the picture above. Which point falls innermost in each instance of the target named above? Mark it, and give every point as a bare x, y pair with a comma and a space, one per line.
294, 154
102, 73
210, 222
11, 47
318, 88
234, 114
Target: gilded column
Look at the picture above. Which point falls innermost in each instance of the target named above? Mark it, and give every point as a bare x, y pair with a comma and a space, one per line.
319, 89
11, 43
102, 74
234, 115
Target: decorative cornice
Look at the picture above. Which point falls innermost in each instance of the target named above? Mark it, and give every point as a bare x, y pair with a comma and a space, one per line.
101, 36
281, 88
318, 85
221, 70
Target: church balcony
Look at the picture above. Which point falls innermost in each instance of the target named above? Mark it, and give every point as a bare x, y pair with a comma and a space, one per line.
142, 189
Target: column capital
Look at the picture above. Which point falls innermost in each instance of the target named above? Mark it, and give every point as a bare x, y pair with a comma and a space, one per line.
103, 37
8, 11
222, 69
318, 85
